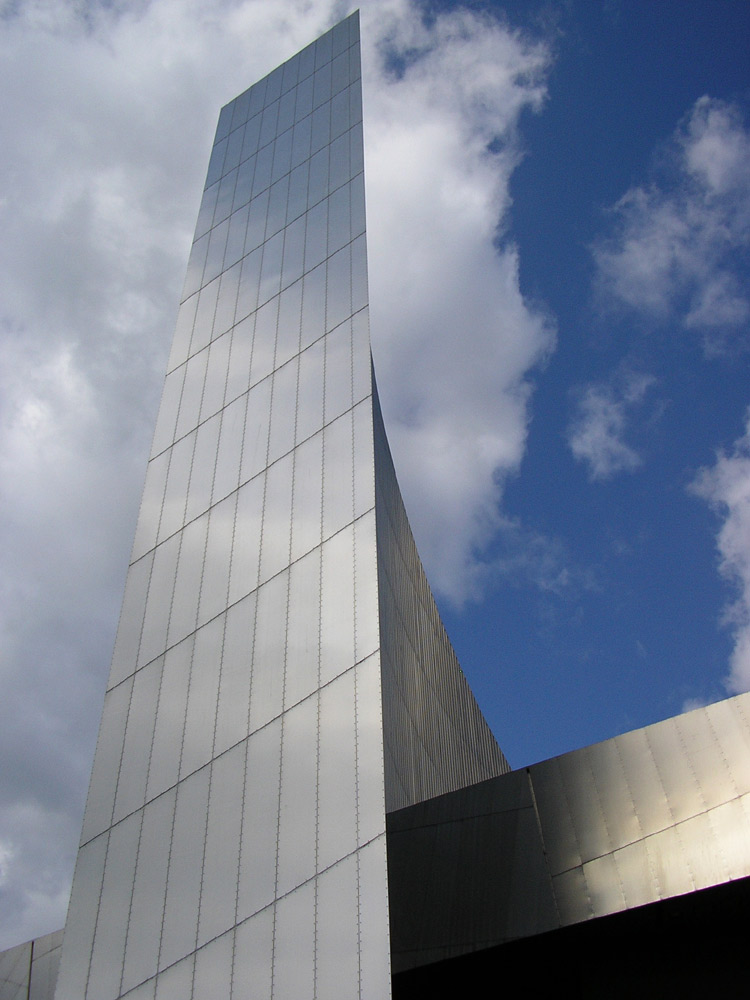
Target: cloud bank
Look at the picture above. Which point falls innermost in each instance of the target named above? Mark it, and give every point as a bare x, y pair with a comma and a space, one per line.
726, 486
107, 118
676, 253
454, 340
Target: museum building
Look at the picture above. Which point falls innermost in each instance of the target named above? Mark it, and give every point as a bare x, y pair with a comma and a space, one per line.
294, 792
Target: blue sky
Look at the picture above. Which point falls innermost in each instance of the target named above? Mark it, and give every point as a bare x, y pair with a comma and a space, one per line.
635, 632
558, 231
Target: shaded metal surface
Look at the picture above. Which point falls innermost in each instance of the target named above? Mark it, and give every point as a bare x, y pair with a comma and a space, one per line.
686, 946
436, 738
655, 813
29, 971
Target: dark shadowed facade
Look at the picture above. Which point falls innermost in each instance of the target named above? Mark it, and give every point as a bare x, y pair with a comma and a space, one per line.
294, 793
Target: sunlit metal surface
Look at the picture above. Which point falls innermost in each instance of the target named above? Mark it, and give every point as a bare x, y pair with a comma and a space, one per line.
235, 827
655, 813
239, 790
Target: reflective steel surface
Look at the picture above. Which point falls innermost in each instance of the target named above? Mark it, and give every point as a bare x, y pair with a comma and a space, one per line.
234, 837
235, 825
29, 971
655, 813
436, 738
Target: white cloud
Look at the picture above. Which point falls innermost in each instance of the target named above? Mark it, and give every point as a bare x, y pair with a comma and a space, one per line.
726, 486
596, 432
453, 338
678, 243
690, 704
107, 116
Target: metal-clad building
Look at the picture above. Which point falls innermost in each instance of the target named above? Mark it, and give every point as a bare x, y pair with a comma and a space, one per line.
657, 813
294, 793
234, 833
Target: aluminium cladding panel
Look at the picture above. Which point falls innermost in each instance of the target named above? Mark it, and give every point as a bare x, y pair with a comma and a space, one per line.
435, 736
29, 971
234, 836
655, 813
15, 972
652, 814
45, 964
467, 872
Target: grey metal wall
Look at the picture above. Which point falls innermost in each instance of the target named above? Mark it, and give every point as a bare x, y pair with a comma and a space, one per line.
653, 814
436, 738
234, 836
29, 971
